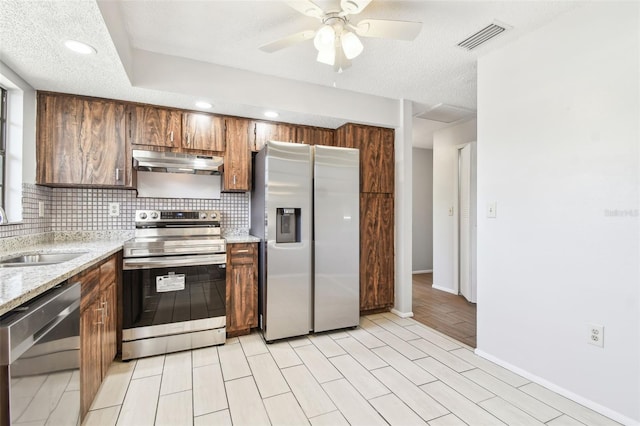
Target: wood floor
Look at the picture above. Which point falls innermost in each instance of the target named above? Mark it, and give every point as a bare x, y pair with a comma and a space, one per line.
448, 313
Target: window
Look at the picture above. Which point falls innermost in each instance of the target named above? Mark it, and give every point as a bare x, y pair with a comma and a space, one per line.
3, 144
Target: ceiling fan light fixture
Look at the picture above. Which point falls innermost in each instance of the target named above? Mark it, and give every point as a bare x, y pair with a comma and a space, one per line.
327, 56
325, 38
351, 44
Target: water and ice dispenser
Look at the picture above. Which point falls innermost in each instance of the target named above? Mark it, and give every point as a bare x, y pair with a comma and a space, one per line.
288, 225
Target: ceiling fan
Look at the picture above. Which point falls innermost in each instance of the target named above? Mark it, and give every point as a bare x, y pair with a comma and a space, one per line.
337, 39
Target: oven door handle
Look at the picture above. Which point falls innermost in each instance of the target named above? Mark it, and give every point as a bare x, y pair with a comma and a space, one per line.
173, 261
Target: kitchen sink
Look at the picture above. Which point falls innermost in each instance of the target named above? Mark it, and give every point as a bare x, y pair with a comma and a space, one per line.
38, 259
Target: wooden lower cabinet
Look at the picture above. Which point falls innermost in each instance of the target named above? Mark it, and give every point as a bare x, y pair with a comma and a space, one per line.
377, 257
98, 326
242, 288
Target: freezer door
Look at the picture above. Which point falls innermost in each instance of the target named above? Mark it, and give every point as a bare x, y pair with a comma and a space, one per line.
288, 298
336, 238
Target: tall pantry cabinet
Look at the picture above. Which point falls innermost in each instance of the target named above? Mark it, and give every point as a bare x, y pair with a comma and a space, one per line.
377, 175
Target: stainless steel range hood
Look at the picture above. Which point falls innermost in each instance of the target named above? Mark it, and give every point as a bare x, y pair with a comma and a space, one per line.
175, 162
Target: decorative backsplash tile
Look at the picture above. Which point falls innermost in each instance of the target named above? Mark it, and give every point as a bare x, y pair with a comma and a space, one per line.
87, 209
31, 222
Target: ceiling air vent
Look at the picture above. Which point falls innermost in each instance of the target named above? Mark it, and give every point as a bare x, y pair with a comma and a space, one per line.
446, 113
482, 36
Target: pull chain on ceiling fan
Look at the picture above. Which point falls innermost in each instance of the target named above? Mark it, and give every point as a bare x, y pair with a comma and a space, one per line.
337, 40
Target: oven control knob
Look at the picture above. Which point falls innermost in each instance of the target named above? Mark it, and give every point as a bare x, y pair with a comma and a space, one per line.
203, 215
214, 215
154, 215
143, 215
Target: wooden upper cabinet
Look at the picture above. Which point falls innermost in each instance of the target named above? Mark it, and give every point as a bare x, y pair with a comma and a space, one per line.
315, 136
81, 141
155, 126
237, 158
269, 131
203, 131
376, 155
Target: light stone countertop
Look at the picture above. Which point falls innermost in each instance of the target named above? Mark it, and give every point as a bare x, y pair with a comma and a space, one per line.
20, 284
231, 239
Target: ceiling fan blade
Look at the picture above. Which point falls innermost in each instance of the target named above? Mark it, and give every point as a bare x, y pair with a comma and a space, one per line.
306, 7
399, 30
291, 40
353, 7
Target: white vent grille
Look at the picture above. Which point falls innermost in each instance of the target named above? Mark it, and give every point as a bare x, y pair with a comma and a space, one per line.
482, 36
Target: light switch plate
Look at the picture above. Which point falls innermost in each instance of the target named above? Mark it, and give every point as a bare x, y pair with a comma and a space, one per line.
40, 208
492, 209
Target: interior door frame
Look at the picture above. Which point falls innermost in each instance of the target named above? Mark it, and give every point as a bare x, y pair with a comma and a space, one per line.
456, 220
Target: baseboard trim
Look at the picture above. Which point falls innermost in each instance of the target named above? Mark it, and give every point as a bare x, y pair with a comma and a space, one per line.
424, 271
560, 390
402, 314
448, 290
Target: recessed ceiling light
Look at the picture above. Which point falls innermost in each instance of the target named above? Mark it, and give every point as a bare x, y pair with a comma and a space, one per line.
203, 104
79, 47
271, 114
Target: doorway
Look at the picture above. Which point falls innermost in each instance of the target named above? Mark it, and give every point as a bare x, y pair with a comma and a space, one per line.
448, 313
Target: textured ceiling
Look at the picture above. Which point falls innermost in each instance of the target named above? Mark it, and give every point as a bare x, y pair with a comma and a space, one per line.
428, 71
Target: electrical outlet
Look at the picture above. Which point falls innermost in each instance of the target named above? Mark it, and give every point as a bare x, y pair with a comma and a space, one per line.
596, 335
40, 208
114, 209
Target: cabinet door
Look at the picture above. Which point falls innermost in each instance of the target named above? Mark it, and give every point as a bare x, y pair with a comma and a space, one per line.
109, 344
243, 298
266, 131
377, 163
315, 136
91, 319
376, 251
203, 131
237, 161
81, 141
155, 126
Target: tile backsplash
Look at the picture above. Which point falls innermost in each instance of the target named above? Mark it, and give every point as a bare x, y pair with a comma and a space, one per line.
86, 209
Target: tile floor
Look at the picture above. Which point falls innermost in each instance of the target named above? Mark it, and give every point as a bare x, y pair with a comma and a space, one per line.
390, 370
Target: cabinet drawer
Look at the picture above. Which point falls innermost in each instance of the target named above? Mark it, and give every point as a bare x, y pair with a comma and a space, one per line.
242, 254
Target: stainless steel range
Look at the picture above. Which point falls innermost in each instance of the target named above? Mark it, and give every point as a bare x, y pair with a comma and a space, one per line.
174, 280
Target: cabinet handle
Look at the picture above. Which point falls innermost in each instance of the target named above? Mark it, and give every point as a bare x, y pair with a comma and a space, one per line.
188, 139
171, 136
237, 278
234, 179
100, 322
117, 175
106, 309
242, 251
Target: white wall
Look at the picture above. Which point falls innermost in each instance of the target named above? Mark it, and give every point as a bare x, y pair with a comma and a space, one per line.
422, 229
445, 160
558, 149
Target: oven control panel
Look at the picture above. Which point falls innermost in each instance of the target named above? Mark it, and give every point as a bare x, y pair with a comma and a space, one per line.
172, 216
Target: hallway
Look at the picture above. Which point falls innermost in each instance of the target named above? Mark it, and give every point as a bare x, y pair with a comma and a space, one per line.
445, 312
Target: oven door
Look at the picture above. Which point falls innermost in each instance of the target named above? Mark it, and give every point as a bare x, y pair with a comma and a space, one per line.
173, 295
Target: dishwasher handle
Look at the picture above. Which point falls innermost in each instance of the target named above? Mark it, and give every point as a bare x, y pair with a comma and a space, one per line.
23, 327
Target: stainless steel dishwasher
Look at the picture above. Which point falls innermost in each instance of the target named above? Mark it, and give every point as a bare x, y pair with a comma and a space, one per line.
40, 359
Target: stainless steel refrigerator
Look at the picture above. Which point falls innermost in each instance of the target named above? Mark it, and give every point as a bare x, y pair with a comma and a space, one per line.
305, 208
